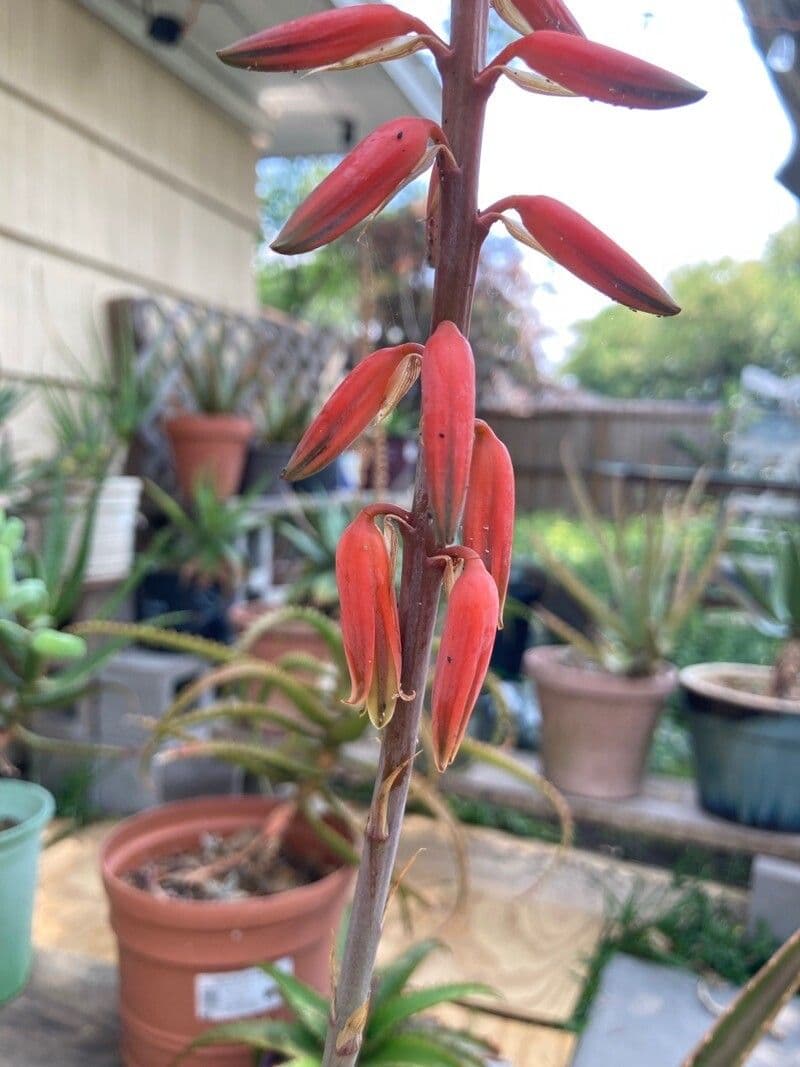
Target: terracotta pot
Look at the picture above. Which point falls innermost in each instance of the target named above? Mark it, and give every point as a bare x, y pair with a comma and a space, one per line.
596, 726
209, 446
186, 965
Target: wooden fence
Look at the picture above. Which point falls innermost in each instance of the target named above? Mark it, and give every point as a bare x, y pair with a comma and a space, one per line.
605, 432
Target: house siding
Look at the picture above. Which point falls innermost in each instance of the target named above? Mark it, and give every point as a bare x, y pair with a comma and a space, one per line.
114, 177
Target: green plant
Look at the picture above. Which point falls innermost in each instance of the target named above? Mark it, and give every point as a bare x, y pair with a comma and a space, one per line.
653, 584
34, 651
315, 535
11, 396
397, 1033
282, 415
773, 599
219, 375
202, 542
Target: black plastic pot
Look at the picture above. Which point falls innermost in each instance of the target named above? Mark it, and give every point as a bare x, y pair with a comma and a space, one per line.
746, 747
262, 469
205, 607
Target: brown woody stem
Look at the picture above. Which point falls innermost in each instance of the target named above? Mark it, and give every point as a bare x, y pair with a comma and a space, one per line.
463, 110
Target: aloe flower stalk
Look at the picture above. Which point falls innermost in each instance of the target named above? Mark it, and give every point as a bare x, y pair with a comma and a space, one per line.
528, 15
589, 69
463, 659
369, 392
464, 471
571, 240
448, 414
364, 182
489, 508
370, 622
358, 35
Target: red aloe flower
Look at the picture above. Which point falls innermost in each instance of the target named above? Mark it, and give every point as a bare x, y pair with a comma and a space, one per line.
448, 417
464, 654
328, 37
527, 15
370, 622
370, 391
571, 240
590, 69
365, 180
489, 508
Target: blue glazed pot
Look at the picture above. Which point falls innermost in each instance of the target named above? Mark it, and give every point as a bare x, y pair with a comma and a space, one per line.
746, 747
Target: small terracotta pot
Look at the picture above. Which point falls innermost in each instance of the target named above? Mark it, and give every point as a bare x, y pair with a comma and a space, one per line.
596, 727
209, 446
187, 965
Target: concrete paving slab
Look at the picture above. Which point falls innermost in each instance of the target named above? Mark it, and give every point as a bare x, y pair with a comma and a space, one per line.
646, 1013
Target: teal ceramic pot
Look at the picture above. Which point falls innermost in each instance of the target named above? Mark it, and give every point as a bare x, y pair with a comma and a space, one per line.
746, 745
30, 808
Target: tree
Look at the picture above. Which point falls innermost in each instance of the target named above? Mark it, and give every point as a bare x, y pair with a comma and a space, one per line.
733, 314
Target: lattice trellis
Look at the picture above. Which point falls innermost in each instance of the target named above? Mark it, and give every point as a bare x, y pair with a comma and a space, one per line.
302, 362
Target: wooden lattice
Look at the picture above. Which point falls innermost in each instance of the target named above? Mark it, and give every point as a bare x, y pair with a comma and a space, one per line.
300, 362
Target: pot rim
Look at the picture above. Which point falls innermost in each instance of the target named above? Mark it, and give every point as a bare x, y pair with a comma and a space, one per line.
210, 914
700, 679
545, 663
37, 819
197, 421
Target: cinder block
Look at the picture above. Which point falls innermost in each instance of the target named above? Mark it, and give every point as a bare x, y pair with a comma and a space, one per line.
775, 896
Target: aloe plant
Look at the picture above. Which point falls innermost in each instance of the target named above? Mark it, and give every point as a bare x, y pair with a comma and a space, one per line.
729, 1042
654, 585
218, 374
397, 1033
41, 666
774, 601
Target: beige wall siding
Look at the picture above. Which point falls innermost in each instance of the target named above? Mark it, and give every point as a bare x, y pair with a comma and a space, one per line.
114, 176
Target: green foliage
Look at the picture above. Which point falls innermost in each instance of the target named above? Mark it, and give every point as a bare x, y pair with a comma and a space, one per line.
688, 928
203, 541
774, 598
220, 376
40, 666
733, 314
653, 574
397, 1033
315, 536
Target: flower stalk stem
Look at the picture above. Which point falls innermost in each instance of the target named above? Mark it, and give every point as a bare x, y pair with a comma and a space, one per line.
461, 236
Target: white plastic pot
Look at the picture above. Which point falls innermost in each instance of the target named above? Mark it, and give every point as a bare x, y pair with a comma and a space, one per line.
112, 547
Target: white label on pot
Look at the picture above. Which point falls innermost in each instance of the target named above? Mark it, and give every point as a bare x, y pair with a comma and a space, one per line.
237, 994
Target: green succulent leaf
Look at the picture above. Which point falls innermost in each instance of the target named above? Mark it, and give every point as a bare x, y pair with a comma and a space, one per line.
394, 1012
309, 1007
394, 977
266, 1035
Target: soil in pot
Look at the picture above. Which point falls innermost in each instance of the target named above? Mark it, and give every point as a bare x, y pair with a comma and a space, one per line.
746, 745
6, 824
188, 964
596, 727
230, 867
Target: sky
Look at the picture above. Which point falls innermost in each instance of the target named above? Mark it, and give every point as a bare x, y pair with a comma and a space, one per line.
672, 187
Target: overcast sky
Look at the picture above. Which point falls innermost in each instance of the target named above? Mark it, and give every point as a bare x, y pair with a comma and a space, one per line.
672, 187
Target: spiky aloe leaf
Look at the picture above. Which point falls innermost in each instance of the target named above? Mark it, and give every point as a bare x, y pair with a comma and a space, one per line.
266, 1035
310, 1009
260, 759
416, 1050
739, 1028
154, 637
396, 1011
394, 977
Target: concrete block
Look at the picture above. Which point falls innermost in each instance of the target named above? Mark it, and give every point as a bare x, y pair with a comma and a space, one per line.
649, 1014
774, 896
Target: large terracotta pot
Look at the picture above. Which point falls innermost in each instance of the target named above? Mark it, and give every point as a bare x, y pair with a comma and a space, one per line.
596, 727
209, 446
186, 965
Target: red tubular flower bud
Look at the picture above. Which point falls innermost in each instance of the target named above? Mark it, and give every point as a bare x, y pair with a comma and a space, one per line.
489, 508
448, 421
571, 240
528, 15
600, 73
370, 622
370, 391
365, 180
463, 659
323, 38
